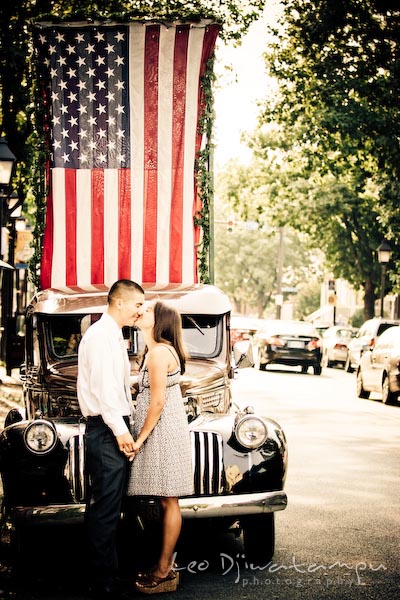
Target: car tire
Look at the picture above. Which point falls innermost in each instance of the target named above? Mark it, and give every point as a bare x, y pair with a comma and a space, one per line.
304, 368
317, 369
263, 366
259, 537
347, 366
361, 392
388, 397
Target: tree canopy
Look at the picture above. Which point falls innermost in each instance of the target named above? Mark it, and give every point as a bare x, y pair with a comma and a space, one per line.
327, 148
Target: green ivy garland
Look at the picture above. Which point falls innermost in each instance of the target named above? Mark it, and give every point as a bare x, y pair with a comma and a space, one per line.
204, 175
39, 178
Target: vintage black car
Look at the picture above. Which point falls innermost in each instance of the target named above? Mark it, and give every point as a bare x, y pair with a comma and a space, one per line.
240, 457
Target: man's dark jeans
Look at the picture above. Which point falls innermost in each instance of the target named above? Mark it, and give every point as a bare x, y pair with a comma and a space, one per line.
107, 468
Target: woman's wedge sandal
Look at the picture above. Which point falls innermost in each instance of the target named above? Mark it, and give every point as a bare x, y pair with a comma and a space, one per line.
142, 574
151, 584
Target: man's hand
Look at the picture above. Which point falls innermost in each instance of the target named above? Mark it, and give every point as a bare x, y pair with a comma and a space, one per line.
126, 445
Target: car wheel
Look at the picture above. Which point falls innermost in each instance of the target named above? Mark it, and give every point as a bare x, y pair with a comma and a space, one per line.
263, 366
361, 392
347, 366
317, 369
304, 368
388, 397
259, 537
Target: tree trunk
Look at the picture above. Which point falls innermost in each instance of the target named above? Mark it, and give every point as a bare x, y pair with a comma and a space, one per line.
260, 304
369, 299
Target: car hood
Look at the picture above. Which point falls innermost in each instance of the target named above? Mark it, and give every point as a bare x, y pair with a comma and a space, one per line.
199, 374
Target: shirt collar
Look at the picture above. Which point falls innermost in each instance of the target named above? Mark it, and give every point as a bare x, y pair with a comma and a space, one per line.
111, 324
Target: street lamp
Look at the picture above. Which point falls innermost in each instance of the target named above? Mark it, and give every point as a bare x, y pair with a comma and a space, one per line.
7, 160
384, 253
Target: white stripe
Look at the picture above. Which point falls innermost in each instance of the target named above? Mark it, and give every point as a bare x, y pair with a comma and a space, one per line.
111, 220
192, 88
58, 270
83, 226
136, 93
165, 88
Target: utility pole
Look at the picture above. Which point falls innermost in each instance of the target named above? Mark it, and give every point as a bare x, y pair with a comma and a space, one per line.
279, 273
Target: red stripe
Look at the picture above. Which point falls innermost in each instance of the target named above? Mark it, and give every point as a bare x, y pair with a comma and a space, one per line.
97, 241
209, 40
150, 191
70, 227
47, 253
124, 224
178, 143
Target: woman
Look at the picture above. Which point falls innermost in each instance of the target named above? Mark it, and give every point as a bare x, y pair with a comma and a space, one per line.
162, 465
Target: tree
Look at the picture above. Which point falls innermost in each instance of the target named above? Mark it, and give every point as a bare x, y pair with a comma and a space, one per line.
337, 65
246, 257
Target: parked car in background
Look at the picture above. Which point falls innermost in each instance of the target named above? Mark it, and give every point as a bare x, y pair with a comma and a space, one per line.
365, 340
335, 341
243, 328
293, 343
378, 370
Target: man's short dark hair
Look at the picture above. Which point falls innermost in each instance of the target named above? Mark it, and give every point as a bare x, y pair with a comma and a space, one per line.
121, 286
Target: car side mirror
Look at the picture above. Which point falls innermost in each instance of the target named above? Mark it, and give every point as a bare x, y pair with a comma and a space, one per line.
366, 348
243, 355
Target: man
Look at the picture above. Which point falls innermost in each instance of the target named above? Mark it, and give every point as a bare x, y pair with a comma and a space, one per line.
105, 400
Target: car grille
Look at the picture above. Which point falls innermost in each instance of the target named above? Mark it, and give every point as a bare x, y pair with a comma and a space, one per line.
208, 471
207, 462
75, 467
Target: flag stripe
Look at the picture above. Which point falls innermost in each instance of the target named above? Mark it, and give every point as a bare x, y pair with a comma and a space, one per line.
58, 269
124, 230
150, 152
97, 231
164, 116
178, 131
136, 82
192, 146
84, 225
124, 107
70, 227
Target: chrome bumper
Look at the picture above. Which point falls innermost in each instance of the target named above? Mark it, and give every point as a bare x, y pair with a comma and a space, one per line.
232, 506
192, 508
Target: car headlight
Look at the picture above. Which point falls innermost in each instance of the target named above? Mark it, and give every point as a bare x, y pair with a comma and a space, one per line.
251, 432
40, 436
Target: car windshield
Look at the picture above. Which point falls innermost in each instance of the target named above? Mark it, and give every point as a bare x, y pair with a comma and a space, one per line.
202, 335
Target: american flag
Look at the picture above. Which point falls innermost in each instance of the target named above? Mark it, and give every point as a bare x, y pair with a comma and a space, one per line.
123, 104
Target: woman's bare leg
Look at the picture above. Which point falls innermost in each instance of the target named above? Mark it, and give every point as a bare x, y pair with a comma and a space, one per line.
172, 523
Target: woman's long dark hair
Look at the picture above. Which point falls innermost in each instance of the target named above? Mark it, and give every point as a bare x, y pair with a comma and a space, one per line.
168, 330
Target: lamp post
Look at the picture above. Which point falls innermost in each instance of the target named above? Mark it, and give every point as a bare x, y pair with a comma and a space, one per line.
7, 160
384, 253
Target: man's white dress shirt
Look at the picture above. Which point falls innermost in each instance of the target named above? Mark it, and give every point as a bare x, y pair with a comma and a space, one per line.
103, 374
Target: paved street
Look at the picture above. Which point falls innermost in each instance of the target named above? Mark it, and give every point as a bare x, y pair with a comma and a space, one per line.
339, 536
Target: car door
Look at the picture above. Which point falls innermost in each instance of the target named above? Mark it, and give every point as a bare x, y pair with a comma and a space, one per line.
379, 358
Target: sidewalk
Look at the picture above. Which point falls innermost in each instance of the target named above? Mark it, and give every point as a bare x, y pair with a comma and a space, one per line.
10, 392
9, 380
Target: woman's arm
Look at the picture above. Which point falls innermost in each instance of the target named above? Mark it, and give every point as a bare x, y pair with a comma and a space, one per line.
157, 363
